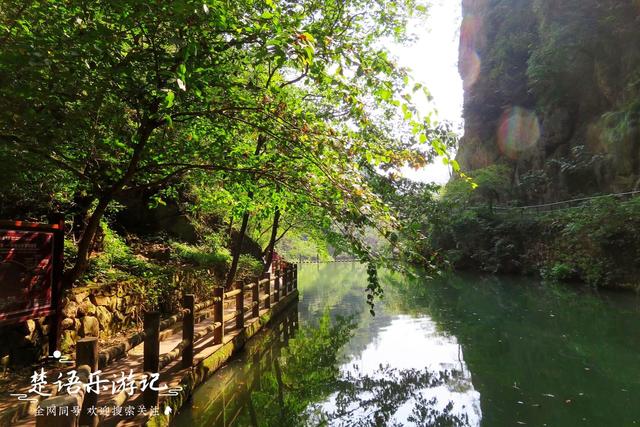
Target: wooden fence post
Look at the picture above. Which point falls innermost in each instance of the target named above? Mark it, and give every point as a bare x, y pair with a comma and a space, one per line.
276, 285
267, 302
87, 354
188, 324
151, 353
240, 307
218, 314
283, 283
255, 300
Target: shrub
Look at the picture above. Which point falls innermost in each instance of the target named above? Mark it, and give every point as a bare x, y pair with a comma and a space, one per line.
558, 272
493, 184
249, 267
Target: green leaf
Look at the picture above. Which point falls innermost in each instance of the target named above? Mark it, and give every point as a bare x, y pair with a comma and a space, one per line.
168, 99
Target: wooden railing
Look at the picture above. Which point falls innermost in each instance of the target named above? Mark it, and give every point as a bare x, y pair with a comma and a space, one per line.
245, 302
317, 260
553, 206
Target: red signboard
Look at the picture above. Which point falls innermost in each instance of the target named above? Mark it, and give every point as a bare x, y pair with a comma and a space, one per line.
27, 271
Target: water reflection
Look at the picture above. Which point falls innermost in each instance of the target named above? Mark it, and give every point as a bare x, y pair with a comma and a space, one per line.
353, 370
460, 351
417, 350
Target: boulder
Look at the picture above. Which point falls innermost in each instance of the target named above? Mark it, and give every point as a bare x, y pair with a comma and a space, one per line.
31, 329
68, 341
90, 327
70, 309
101, 300
87, 309
80, 295
68, 323
104, 316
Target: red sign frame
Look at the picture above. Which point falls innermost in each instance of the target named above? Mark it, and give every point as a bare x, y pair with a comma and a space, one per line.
31, 263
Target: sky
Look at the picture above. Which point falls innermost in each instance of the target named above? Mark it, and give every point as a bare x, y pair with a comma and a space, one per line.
433, 61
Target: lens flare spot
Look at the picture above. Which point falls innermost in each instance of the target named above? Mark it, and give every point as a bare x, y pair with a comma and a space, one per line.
470, 42
519, 130
469, 67
470, 32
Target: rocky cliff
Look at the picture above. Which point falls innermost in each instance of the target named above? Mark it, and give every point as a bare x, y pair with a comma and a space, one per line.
552, 90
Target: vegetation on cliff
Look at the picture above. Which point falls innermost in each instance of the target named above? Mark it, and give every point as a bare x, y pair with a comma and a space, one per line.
551, 113
551, 92
593, 241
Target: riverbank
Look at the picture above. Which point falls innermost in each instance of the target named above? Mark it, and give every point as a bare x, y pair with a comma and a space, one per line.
208, 365
596, 243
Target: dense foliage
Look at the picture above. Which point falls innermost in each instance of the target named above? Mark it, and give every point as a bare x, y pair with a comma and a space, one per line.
229, 113
461, 228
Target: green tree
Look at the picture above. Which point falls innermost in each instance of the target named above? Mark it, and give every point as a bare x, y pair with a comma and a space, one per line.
128, 96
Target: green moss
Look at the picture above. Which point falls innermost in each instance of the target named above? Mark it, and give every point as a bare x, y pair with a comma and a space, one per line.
202, 255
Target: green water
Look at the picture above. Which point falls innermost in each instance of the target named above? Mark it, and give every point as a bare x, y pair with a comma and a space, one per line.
465, 350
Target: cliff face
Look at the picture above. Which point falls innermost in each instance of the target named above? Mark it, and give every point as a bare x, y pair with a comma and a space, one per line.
552, 89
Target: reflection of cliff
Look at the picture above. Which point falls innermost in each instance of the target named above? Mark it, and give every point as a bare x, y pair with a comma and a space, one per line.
552, 90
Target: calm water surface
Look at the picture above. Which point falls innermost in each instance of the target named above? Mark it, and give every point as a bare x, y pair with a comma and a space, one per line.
460, 351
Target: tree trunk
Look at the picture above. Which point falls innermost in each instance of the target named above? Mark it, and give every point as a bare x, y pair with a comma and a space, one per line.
231, 275
93, 223
230, 230
84, 246
272, 240
81, 213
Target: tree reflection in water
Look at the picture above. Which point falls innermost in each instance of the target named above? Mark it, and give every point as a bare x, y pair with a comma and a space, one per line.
305, 375
373, 400
292, 376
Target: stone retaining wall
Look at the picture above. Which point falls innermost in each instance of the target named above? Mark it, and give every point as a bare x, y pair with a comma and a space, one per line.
98, 311
95, 310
